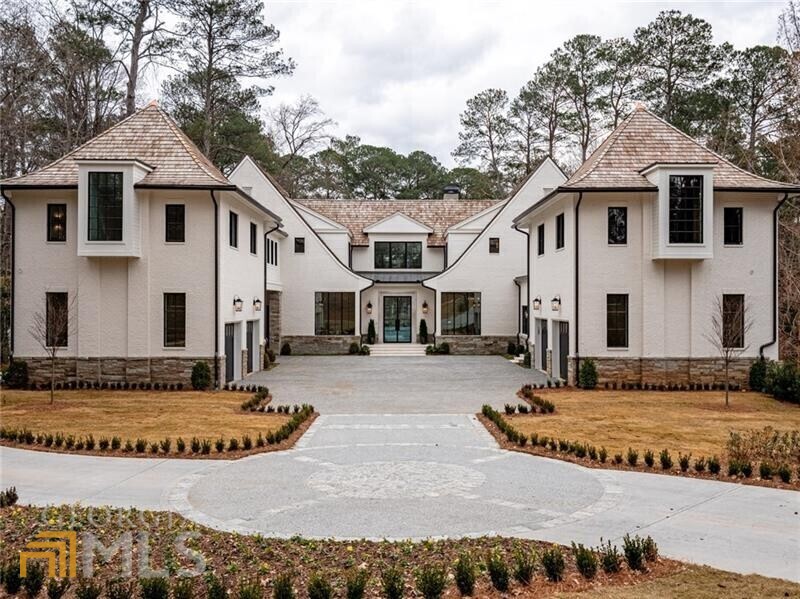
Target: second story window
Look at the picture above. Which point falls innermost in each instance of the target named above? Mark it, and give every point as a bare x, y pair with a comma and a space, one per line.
494, 245
56, 222
272, 252
686, 209
560, 231
540, 240
299, 245
733, 226
233, 230
253, 238
398, 254
176, 223
617, 226
105, 206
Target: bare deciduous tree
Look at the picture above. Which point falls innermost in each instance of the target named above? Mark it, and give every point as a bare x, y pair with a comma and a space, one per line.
52, 328
299, 129
730, 324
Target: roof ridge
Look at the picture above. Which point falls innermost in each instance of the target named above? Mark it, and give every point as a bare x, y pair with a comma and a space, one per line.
187, 143
610, 141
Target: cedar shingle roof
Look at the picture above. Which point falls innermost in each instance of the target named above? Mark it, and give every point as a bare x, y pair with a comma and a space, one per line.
150, 136
437, 214
642, 140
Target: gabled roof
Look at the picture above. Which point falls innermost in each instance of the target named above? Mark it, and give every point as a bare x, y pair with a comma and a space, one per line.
644, 140
148, 136
438, 215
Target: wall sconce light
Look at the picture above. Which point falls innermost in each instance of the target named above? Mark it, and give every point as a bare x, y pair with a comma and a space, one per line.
237, 303
424, 307
369, 307
537, 303
257, 304
555, 304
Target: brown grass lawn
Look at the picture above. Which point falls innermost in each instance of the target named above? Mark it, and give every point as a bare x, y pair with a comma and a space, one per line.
149, 415
695, 422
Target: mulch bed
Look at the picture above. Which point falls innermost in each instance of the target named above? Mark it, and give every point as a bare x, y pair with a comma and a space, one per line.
546, 452
287, 443
235, 557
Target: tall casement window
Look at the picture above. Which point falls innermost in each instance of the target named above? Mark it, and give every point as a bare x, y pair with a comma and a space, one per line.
105, 206
525, 320
733, 327
560, 231
253, 238
56, 222
174, 320
461, 313
686, 209
398, 254
299, 245
494, 245
334, 313
617, 225
233, 229
617, 320
57, 317
540, 240
176, 223
272, 252
733, 226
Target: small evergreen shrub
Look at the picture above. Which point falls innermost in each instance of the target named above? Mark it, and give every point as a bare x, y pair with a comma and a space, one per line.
183, 588
392, 583
512, 348
618, 458
498, 571
180, 445
747, 469
353, 349
585, 560
683, 461
633, 457
603, 455
283, 587
713, 465
8, 497
87, 589
524, 566
205, 447
34, 578
758, 375
116, 443
650, 549
431, 581
16, 375
766, 471
214, 587
249, 589
219, 445
103, 443
649, 458
356, 584
633, 548
465, 573
201, 376
165, 445
587, 376
319, 588
553, 564
233, 444
700, 464
286, 349
666, 459
57, 588
610, 558
12, 581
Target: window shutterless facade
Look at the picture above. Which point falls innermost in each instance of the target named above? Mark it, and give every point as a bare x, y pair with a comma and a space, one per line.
733, 322
233, 229
334, 313
398, 254
540, 240
617, 320
494, 245
253, 238
617, 225
461, 313
733, 229
686, 209
174, 320
57, 319
560, 231
299, 245
175, 216
56, 222
105, 206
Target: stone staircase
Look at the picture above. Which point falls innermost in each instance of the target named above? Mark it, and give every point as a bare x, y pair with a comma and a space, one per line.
383, 350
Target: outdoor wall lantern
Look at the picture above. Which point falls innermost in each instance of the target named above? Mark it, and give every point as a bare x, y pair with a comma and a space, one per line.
237, 303
257, 304
369, 307
537, 303
424, 307
555, 304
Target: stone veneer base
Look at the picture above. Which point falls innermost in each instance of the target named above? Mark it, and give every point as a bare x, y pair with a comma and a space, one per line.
476, 344
320, 344
666, 371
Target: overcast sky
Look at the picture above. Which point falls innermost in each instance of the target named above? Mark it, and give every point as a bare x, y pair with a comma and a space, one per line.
398, 73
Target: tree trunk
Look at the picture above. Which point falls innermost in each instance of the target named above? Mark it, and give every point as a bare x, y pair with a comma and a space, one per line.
133, 69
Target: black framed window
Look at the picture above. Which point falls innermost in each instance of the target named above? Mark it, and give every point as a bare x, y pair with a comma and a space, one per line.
733, 323
334, 313
57, 318
560, 231
253, 238
617, 320
398, 254
686, 209
299, 245
56, 222
494, 245
174, 320
733, 226
540, 239
176, 223
272, 252
105, 206
461, 313
617, 225
233, 229
525, 320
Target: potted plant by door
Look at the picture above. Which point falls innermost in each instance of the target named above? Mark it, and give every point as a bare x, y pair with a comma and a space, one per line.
371, 332
423, 332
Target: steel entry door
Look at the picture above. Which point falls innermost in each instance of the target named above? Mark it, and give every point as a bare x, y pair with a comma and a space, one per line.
397, 319
229, 352
563, 349
251, 358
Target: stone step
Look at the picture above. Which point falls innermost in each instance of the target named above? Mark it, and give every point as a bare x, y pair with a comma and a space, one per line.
390, 349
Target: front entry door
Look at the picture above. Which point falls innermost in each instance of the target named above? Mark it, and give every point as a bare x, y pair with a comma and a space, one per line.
397, 319
251, 354
229, 358
563, 349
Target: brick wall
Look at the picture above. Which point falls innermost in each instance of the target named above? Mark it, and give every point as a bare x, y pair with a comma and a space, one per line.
476, 344
320, 344
666, 371
274, 307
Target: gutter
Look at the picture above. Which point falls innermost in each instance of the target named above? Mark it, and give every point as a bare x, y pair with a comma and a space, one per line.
577, 288
11, 270
216, 290
774, 277
266, 292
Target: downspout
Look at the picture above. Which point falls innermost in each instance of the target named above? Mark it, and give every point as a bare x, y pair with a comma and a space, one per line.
12, 269
774, 277
527, 235
577, 287
266, 292
216, 289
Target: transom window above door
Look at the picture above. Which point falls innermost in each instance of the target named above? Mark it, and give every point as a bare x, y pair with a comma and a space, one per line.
398, 254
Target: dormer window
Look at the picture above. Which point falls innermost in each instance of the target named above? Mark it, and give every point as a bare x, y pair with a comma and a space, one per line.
105, 206
398, 254
686, 209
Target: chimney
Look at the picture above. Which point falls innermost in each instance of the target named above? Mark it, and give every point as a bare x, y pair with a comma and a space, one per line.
451, 192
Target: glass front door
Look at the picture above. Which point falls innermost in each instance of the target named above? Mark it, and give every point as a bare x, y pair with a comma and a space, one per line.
397, 319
